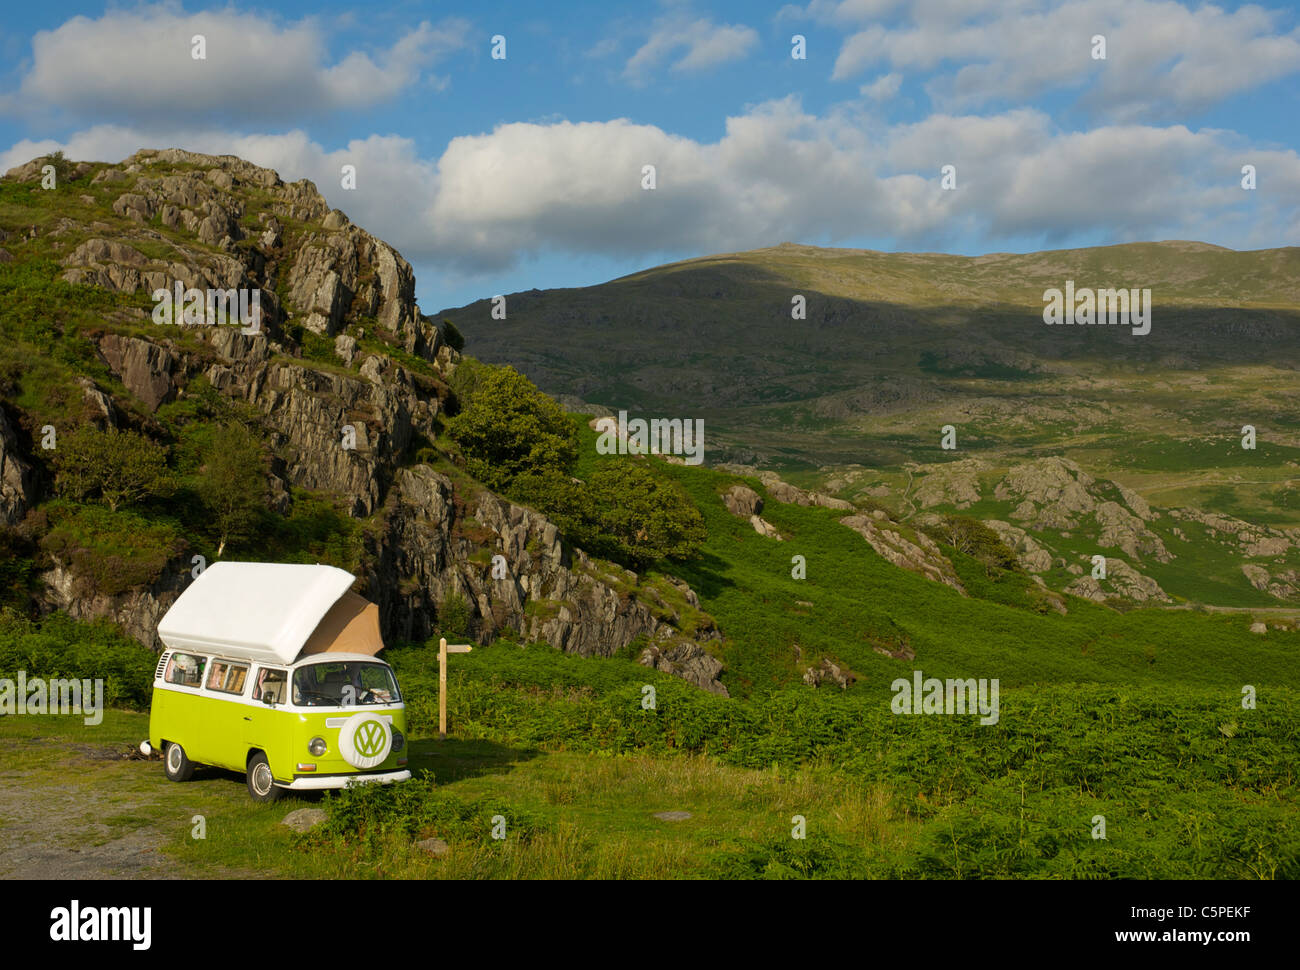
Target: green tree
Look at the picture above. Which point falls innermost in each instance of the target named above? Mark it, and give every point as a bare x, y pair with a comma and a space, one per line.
622, 512
975, 539
233, 484
119, 468
646, 517
507, 427
450, 333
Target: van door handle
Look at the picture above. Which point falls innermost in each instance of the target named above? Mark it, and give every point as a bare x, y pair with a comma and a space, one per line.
248, 719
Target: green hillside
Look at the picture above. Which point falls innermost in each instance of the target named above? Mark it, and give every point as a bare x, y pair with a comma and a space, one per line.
896, 346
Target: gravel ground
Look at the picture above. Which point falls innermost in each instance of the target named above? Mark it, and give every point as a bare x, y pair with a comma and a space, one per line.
52, 830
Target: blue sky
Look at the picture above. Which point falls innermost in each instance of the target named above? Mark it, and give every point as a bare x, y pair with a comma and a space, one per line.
492, 176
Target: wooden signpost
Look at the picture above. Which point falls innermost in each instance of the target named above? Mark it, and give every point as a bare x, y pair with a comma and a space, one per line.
443, 650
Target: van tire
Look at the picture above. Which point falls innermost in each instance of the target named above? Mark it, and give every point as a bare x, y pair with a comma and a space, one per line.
176, 763
261, 783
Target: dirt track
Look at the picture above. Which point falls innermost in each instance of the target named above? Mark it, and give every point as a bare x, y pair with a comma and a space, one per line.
55, 831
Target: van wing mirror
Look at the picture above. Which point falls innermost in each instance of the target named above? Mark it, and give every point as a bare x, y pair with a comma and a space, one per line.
268, 698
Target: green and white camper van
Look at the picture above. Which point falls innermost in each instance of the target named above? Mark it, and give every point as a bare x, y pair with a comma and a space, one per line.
270, 670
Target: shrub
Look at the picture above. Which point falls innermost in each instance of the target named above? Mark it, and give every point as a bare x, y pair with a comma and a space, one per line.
233, 484
453, 615
644, 517
455, 339
59, 646
977, 540
507, 427
117, 467
622, 512
108, 552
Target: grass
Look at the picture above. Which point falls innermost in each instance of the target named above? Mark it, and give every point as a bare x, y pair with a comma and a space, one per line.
1191, 785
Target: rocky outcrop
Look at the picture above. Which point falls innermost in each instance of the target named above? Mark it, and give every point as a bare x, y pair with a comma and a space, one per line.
783, 491
742, 501
1122, 529
1257, 576
1053, 493
1251, 540
337, 274
1032, 557
33, 170
147, 369
922, 556
136, 611
1284, 586
340, 434
17, 476
955, 483
687, 660
437, 546
746, 503
1123, 581
100, 409
830, 672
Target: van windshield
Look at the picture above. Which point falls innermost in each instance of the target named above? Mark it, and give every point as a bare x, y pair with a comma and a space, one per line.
344, 683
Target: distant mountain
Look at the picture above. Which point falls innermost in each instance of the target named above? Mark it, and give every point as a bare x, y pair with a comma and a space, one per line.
895, 346
886, 333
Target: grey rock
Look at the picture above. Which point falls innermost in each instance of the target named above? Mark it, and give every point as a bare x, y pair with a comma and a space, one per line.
136, 611
345, 348
147, 369
828, 671
742, 501
304, 819
434, 847
687, 660
764, 528
18, 491
922, 556
1122, 580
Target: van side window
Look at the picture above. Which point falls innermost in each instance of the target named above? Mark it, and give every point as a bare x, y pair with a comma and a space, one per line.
185, 669
227, 677
269, 683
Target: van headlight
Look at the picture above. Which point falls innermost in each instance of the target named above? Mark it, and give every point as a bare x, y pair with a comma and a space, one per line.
317, 746
399, 742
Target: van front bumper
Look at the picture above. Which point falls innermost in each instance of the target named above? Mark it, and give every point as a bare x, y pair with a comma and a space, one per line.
309, 782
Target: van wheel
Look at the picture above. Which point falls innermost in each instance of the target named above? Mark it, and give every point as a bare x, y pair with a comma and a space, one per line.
261, 783
176, 763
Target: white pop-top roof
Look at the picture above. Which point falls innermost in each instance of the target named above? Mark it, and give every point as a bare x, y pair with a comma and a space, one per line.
260, 610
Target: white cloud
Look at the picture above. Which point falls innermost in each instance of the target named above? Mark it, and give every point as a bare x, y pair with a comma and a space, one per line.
1163, 58
136, 66
701, 43
882, 88
777, 173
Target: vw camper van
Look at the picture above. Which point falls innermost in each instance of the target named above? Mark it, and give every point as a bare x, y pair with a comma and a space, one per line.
270, 670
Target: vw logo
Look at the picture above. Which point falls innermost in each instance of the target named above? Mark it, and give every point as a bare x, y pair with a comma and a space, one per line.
369, 738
